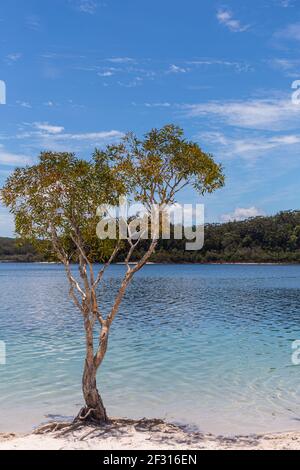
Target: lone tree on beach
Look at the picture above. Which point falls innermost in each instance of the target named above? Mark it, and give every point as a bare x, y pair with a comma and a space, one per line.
55, 205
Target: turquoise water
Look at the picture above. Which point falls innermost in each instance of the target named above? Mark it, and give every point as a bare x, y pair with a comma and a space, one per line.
209, 346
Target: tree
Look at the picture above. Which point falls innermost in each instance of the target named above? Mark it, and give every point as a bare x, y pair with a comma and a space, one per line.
55, 204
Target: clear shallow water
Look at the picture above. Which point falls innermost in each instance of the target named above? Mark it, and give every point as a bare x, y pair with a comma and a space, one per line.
209, 346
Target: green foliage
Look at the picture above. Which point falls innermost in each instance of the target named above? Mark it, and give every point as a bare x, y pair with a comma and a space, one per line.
12, 250
156, 168
59, 197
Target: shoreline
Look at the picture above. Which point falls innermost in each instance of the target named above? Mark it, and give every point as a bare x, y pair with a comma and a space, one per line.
207, 263
126, 434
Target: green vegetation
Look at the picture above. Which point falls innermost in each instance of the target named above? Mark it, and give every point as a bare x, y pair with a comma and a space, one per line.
273, 239
259, 240
13, 250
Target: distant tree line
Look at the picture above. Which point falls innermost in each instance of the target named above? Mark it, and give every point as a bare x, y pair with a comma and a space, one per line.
15, 251
259, 239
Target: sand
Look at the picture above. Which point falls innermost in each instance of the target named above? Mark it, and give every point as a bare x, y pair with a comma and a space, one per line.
145, 435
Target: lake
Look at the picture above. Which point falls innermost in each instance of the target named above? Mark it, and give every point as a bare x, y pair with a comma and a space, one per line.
205, 345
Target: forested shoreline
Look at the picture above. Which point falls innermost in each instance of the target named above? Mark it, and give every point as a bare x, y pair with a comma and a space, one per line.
270, 239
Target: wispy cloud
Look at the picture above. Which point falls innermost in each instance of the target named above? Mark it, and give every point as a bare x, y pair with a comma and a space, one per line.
238, 66
50, 129
176, 69
268, 114
130, 72
106, 73
137, 81
250, 146
226, 18
242, 213
86, 6
163, 104
53, 137
121, 60
12, 159
93, 137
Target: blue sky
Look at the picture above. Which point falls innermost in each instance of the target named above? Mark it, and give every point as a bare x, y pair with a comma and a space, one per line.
80, 73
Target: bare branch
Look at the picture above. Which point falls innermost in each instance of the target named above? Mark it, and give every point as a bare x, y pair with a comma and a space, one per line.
102, 271
72, 281
78, 242
127, 279
133, 246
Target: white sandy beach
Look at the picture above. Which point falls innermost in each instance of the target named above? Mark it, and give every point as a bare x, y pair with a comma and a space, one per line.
145, 435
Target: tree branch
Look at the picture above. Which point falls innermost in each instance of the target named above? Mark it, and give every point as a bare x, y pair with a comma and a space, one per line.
102, 271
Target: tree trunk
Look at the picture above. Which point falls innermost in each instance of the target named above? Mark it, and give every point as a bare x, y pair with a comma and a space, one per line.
95, 410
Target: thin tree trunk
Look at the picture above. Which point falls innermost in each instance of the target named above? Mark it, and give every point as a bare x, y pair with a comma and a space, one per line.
95, 408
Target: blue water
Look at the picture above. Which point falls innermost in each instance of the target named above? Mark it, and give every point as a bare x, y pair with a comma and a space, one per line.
208, 345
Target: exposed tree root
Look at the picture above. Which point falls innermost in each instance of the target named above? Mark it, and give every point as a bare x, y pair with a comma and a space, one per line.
84, 418
7, 436
85, 426
51, 427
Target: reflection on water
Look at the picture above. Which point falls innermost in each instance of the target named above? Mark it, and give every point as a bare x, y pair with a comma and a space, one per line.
205, 345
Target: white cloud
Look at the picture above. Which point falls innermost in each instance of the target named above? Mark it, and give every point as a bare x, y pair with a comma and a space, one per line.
268, 114
87, 6
96, 137
36, 137
106, 73
176, 69
158, 105
12, 159
226, 18
44, 126
137, 81
257, 146
121, 60
251, 146
241, 213
43, 136
238, 66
